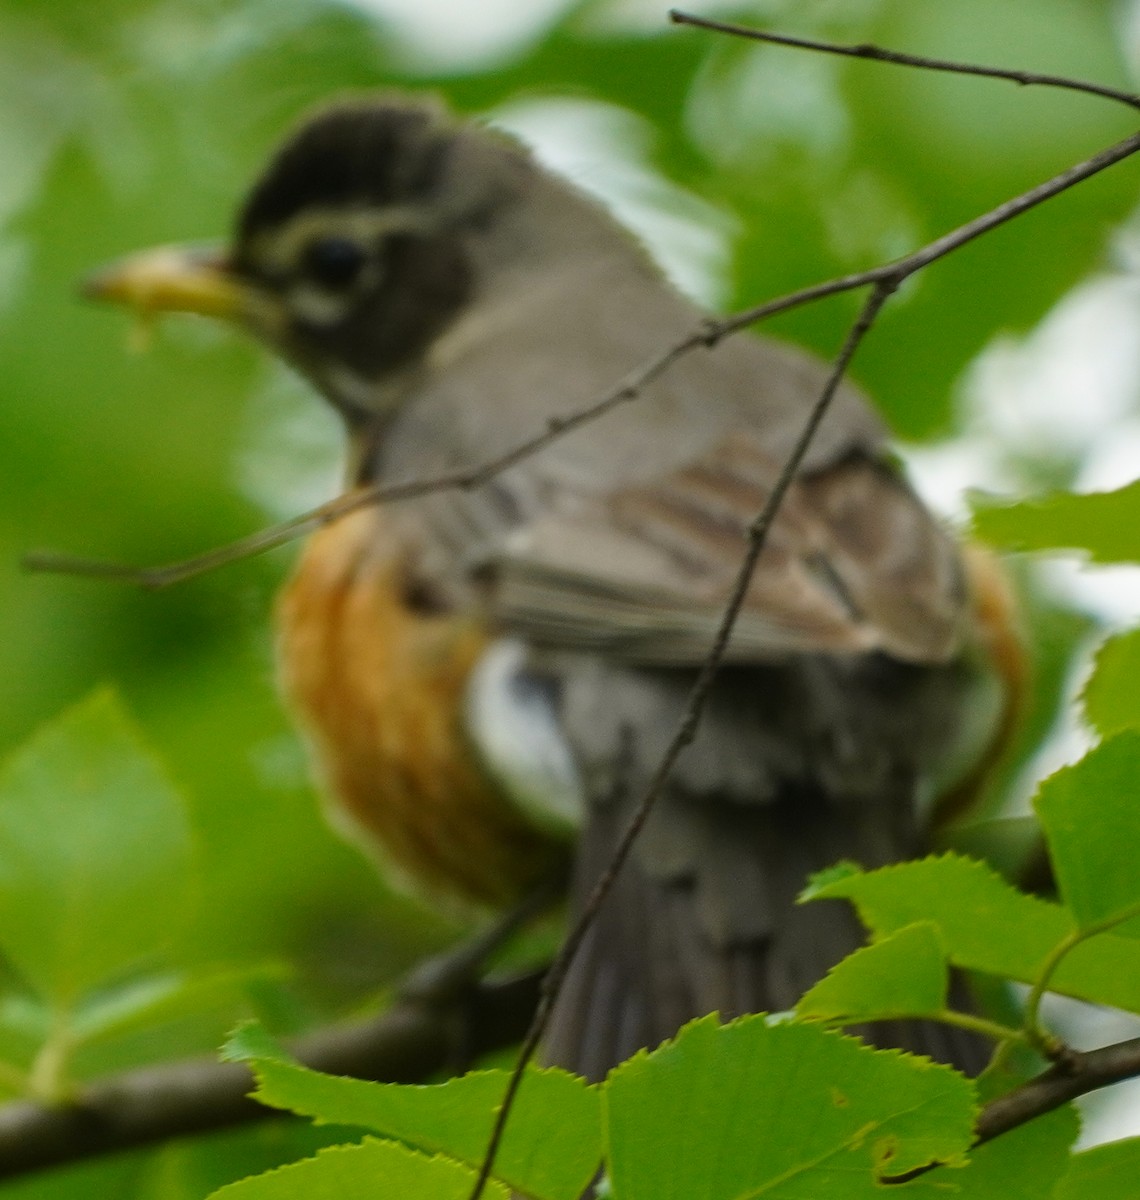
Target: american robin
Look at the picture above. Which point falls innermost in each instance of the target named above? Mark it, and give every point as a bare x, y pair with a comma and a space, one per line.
480, 670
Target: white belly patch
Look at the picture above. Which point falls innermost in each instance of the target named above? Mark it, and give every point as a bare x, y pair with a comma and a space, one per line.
512, 720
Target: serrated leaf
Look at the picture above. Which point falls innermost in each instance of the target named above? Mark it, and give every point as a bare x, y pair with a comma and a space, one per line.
251, 1042
782, 1111
987, 925
552, 1146
844, 869
95, 853
904, 973
1111, 697
1106, 525
1106, 1172
361, 1172
1092, 823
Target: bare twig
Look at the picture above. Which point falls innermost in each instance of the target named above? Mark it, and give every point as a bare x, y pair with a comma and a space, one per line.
277, 535
708, 334
885, 280
1080, 1072
686, 729
940, 247
898, 58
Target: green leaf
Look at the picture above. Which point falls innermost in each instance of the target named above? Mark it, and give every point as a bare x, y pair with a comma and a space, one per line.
987, 925
783, 1111
1111, 697
1023, 1164
152, 999
1106, 1172
252, 1042
363, 1172
1007, 843
1106, 525
551, 1148
95, 853
1091, 819
904, 973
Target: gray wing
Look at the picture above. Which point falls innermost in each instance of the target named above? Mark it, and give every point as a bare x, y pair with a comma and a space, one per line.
853, 564
625, 535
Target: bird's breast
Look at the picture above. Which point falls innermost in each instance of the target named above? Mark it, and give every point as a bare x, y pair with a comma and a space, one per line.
379, 684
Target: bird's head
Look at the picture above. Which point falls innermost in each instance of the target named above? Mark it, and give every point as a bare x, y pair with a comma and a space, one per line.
360, 244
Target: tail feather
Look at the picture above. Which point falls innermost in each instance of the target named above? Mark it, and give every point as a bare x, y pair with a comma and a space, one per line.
664, 950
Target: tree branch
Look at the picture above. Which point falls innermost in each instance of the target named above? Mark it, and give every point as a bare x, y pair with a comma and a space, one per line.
1077, 1074
1081, 1072
900, 59
428, 1029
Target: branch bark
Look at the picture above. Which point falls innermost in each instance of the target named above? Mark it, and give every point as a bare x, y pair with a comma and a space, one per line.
1080, 1072
424, 1032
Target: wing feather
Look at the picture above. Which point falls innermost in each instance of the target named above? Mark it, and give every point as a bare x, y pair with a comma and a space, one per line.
853, 564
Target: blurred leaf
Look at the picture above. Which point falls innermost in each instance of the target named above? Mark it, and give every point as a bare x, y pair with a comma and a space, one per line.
152, 1000
551, 1148
191, 1168
1106, 1172
987, 925
118, 1175
1111, 697
1105, 524
95, 853
903, 973
1089, 813
1006, 843
1023, 1164
251, 1042
790, 1110
359, 1173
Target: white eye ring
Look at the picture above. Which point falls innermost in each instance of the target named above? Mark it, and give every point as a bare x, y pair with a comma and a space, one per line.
314, 305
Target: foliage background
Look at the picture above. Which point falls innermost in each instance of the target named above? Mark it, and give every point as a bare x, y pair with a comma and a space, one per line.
753, 170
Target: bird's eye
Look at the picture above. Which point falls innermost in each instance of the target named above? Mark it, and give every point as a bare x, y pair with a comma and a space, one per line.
333, 262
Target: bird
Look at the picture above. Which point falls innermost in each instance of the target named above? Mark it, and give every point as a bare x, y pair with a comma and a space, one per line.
487, 676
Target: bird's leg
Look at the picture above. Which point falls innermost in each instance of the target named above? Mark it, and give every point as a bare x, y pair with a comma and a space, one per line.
450, 981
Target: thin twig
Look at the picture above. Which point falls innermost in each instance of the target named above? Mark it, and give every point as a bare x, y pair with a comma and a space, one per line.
686, 729
154, 578
940, 247
885, 280
900, 59
1080, 1072
631, 388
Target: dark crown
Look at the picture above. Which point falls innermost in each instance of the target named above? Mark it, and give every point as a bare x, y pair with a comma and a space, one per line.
373, 152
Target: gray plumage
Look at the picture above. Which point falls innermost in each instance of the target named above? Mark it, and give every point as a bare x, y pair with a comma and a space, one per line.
451, 299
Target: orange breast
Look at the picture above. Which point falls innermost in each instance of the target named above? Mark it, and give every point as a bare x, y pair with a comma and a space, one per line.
998, 641
379, 690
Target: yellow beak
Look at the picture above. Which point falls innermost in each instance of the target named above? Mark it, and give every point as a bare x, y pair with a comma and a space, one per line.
172, 279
